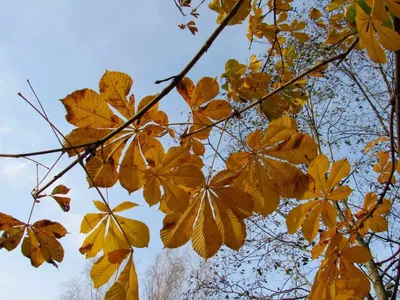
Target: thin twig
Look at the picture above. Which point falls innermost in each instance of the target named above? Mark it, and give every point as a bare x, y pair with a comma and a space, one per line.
163, 80
44, 112
36, 162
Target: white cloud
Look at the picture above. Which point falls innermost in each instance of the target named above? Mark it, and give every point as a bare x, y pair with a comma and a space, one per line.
14, 169
4, 129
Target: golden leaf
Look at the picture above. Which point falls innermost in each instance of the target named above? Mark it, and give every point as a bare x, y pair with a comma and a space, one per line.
126, 287
11, 238
224, 7
100, 205
114, 88
93, 243
255, 64
357, 254
7, 222
171, 171
231, 226
124, 206
318, 187
90, 221
132, 167
85, 135
177, 227
93, 114
86, 108
231, 205
268, 178
384, 168
102, 168
206, 237
41, 243
315, 14
106, 266
137, 232
376, 222
64, 202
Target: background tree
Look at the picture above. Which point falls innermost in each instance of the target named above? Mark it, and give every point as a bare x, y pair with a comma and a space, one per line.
166, 277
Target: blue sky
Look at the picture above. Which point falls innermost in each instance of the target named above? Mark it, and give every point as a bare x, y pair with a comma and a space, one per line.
62, 46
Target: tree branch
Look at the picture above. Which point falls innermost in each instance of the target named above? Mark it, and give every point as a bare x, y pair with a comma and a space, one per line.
277, 90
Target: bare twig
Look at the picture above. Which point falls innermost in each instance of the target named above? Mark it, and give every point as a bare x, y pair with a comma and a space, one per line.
163, 80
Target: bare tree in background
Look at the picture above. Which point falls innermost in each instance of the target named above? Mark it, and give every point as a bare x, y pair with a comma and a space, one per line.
167, 277
81, 287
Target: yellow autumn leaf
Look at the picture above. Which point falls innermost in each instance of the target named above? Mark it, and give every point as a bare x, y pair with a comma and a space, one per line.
367, 36
198, 147
320, 187
216, 206
269, 178
124, 206
328, 214
50, 248
357, 254
41, 243
206, 237
275, 107
378, 223
278, 130
299, 149
334, 4
177, 227
137, 232
86, 108
114, 88
379, 10
7, 222
171, 171
33, 249
216, 109
323, 188
224, 7
94, 114
254, 64
394, 7
114, 239
389, 38
94, 241
11, 238
100, 205
263, 190
311, 223
384, 168
315, 14
231, 226
337, 276
90, 221
203, 107
106, 266
132, 168
85, 135
102, 168
126, 287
